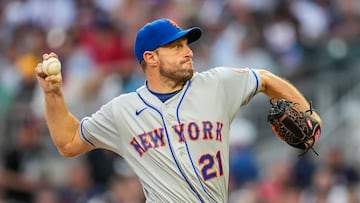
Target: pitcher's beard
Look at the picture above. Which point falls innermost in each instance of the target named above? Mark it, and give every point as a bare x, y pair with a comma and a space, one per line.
178, 77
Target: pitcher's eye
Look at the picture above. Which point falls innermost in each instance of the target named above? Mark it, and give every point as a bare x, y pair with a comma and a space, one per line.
178, 46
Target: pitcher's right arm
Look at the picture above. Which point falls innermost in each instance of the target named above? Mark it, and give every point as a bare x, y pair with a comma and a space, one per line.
63, 125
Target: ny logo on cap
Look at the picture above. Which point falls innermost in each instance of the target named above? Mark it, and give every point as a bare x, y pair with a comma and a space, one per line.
173, 23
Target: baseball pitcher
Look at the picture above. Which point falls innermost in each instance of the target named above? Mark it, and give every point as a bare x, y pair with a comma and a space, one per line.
174, 130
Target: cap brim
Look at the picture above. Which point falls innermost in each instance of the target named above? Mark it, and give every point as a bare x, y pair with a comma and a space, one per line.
191, 34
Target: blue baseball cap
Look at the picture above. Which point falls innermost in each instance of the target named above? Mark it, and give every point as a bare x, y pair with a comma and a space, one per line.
159, 33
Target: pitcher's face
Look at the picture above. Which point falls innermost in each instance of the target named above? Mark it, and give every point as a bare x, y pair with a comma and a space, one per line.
176, 61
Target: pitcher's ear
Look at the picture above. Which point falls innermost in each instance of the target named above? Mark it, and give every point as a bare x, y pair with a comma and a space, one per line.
150, 57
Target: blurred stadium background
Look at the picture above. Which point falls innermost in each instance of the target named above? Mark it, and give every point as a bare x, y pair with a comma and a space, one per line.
315, 44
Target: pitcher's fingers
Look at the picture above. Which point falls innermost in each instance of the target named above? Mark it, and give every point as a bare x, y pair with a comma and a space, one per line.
54, 78
52, 54
39, 72
45, 56
38, 68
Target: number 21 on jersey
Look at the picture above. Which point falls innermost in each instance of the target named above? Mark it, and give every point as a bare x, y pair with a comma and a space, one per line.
211, 166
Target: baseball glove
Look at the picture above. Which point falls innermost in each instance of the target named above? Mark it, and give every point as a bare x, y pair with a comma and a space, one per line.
296, 128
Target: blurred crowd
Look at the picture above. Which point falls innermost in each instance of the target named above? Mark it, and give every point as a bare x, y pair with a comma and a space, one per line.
94, 40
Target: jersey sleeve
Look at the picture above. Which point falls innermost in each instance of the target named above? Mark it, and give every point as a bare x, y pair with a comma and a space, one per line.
240, 85
100, 129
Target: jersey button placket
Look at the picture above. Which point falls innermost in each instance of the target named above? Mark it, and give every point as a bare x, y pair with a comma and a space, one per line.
179, 148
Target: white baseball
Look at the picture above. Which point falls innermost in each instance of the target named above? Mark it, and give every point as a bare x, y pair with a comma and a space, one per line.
51, 66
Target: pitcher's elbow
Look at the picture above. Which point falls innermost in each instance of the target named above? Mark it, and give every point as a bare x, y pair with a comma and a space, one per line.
66, 153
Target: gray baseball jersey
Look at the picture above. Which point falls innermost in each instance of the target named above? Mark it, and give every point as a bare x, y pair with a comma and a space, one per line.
180, 148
